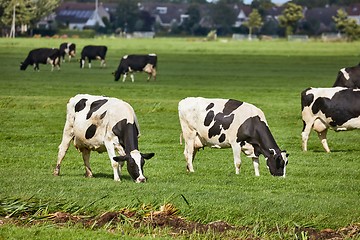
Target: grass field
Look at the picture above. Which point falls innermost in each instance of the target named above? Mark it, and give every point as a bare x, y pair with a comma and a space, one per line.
321, 189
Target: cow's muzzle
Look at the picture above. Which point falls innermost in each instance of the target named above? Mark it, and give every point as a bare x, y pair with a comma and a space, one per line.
140, 180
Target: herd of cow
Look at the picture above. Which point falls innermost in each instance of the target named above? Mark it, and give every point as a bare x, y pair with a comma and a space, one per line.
128, 63
98, 123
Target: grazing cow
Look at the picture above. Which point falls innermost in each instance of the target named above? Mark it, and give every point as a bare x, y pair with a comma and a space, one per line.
225, 123
91, 53
97, 123
136, 63
322, 108
348, 77
44, 56
69, 49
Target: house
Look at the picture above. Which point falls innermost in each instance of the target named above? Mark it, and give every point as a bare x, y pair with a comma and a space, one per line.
166, 14
76, 15
353, 12
242, 13
320, 19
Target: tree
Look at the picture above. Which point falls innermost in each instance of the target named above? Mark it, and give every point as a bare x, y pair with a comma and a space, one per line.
290, 17
27, 12
192, 22
347, 25
254, 21
223, 16
262, 6
127, 14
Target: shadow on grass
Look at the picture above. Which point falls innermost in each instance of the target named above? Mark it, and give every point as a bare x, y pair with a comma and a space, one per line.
111, 176
337, 150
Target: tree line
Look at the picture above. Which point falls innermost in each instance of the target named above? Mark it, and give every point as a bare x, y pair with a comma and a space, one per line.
130, 18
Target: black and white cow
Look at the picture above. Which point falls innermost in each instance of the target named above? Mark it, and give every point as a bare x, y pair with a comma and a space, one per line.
92, 53
69, 49
348, 77
43, 56
225, 123
136, 63
323, 108
97, 123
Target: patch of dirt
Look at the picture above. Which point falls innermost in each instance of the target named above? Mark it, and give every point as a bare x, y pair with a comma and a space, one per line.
168, 217
349, 232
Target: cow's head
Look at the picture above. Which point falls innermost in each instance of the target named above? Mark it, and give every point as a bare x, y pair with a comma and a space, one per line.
117, 75
23, 66
135, 162
72, 50
277, 163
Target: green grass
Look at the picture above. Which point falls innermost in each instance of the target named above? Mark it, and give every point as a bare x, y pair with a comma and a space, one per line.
321, 190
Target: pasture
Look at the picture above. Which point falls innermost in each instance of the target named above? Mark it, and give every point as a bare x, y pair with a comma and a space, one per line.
321, 190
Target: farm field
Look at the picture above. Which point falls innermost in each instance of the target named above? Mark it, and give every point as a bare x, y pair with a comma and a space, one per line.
321, 190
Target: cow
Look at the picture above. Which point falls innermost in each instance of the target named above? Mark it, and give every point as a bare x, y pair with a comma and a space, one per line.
97, 123
91, 53
225, 123
348, 77
136, 63
336, 108
67, 48
43, 56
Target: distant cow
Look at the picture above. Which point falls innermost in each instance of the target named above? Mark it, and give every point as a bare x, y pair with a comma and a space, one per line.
69, 49
322, 108
348, 77
97, 123
136, 63
225, 123
43, 56
92, 53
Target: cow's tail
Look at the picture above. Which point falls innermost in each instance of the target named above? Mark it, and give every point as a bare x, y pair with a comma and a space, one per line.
137, 125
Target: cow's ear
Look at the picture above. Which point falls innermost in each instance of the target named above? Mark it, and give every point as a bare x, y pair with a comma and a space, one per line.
113, 73
121, 158
147, 155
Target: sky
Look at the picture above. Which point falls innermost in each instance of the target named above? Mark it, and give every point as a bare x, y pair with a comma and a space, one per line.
274, 1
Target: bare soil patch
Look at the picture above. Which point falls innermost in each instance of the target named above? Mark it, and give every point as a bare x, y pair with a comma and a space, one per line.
168, 218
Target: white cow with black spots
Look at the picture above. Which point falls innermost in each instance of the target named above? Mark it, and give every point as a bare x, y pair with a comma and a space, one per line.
97, 123
225, 123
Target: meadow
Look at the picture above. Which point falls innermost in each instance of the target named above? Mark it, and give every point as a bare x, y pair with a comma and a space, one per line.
321, 190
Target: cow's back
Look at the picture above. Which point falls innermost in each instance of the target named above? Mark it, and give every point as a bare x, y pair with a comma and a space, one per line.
94, 117
94, 51
348, 77
205, 116
337, 107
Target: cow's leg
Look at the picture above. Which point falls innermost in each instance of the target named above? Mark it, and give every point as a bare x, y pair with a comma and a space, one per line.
322, 137
256, 166
321, 130
86, 158
102, 63
132, 77
237, 160
89, 63
63, 147
115, 165
124, 77
305, 135
153, 73
189, 151
57, 63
